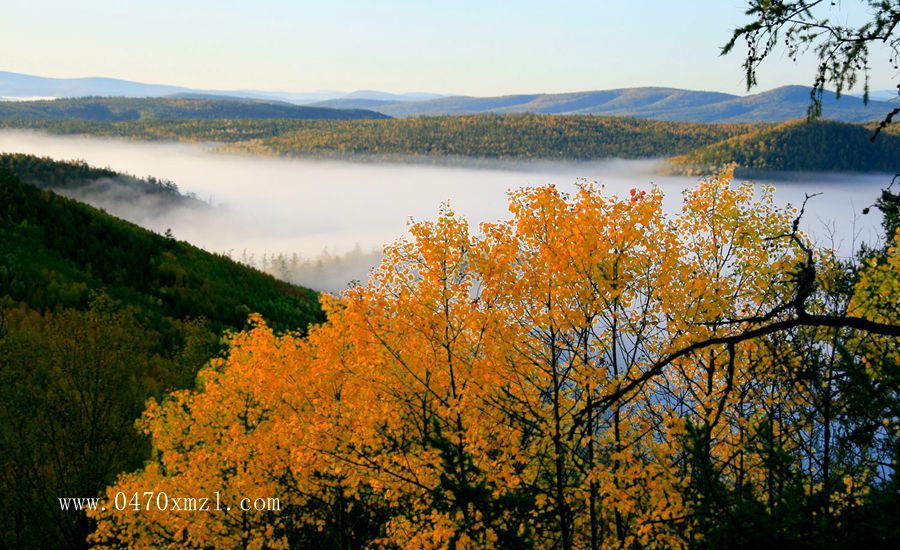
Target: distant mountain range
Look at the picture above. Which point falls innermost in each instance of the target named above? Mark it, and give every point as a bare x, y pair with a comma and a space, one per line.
671, 104
778, 105
17, 86
882, 95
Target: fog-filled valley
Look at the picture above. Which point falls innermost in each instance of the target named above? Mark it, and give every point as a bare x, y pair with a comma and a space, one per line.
321, 223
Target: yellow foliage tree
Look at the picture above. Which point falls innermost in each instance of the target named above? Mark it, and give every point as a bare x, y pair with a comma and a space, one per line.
534, 384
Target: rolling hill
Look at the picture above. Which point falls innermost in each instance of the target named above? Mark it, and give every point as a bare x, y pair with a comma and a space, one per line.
521, 136
55, 175
52, 242
798, 146
121, 109
23, 85
123, 195
792, 146
778, 105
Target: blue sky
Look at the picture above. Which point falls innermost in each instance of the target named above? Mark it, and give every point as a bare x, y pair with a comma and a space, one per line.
471, 47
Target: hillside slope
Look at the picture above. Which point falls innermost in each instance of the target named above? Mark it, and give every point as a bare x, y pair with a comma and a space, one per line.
78, 178
481, 136
96, 316
799, 146
497, 136
25, 85
55, 251
819, 146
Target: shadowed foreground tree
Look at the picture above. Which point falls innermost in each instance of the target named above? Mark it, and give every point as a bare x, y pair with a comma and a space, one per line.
591, 373
71, 385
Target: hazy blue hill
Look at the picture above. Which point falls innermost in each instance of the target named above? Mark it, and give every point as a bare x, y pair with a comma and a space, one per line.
778, 105
16, 85
571, 103
122, 109
388, 96
220, 97
635, 102
23, 85
656, 103
453, 105
881, 95
458, 105
29, 86
353, 103
786, 103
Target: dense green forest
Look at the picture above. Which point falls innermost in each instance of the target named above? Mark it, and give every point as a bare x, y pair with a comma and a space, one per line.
119, 109
799, 145
97, 315
226, 130
502, 136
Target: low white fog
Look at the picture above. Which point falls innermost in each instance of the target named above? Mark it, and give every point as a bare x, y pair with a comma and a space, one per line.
321, 223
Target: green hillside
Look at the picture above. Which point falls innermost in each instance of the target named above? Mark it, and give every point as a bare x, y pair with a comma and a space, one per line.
504, 137
97, 315
120, 109
47, 173
799, 146
55, 251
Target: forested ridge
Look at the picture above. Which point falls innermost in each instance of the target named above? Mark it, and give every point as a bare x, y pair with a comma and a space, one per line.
776, 105
697, 148
119, 109
576, 137
502, 137
96, 315
47, 173
90, 249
